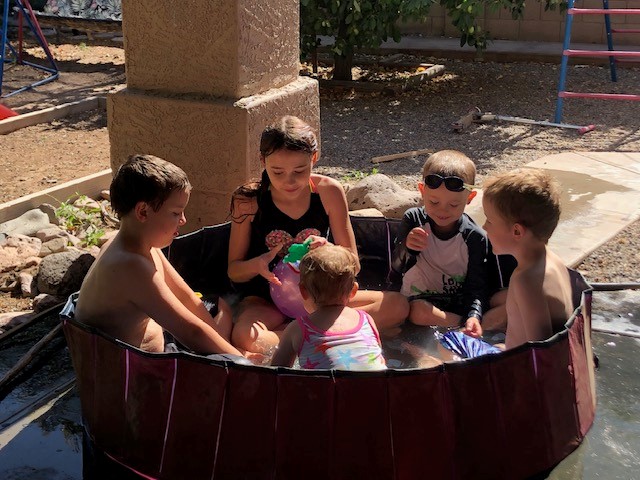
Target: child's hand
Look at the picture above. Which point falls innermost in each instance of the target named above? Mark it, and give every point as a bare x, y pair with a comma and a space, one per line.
417, 239
263, 264
317, 241
256, 358
473, 328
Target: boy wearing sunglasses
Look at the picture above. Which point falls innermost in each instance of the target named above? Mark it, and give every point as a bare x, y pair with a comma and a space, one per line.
440, 252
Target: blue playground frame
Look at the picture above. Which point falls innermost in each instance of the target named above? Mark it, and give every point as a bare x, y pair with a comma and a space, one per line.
12, 56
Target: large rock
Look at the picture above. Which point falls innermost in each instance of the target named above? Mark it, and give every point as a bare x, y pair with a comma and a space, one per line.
16, 250
26, 224
380, 192
62, 273
44, 302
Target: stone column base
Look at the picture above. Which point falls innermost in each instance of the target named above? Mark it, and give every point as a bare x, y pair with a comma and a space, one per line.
215, 141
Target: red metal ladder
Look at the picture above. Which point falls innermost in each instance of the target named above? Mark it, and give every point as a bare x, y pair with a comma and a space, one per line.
613, 55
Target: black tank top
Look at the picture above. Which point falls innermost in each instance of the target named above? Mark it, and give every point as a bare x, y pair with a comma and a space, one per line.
270, 226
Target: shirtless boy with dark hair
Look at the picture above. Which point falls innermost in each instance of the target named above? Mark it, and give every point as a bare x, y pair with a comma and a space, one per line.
131, 291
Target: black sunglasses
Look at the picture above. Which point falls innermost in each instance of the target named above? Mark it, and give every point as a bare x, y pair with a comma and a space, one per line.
453, 184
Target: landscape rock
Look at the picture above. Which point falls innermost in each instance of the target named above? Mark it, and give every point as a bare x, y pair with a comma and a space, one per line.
380, 192
86, 203
366, 212
16, 249
55, 245
49, 233
8, 281
26, 224
25, 279
62, 273
44, 301
73, 240
50, 210
11, 320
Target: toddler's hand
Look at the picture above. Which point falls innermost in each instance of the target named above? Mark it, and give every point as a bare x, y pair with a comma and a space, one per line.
417, 239
473, 328
263, 264
317, 241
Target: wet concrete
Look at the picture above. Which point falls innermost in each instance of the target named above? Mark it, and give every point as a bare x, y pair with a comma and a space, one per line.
601, 196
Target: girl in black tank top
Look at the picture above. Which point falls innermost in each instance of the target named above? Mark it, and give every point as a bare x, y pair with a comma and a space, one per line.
286, 206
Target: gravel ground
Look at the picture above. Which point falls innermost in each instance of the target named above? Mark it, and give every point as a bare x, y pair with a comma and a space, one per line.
357, 127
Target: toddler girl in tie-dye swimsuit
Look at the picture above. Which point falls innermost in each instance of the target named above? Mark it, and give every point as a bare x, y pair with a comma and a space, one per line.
332, 335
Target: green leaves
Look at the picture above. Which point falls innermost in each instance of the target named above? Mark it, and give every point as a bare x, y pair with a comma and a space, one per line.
355, 23
367, 23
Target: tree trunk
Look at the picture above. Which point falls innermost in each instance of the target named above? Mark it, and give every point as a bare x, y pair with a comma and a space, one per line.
342, 67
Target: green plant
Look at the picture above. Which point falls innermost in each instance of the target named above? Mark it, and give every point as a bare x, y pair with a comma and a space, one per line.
356, 175
81, 219
82, 45
367, 23
353, 24
92, 236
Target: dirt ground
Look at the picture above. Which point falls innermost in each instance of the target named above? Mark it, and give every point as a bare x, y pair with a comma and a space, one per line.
355, 127
42, 156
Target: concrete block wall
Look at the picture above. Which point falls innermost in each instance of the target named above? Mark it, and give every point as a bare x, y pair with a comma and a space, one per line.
537, 24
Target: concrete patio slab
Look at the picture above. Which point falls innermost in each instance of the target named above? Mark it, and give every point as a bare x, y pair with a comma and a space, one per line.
601, 196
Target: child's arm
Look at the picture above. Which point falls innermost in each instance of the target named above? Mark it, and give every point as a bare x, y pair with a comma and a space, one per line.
404, 257
475, 291
288, 347
182, 290
335, 204
151, 294
222, 321
240, 268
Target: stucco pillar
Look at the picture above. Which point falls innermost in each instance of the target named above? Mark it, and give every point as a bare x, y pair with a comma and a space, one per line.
203, 79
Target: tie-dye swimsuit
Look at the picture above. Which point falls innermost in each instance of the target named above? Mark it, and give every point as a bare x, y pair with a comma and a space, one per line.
355, 349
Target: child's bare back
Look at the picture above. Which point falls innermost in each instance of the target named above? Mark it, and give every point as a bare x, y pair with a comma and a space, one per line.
522, 209
539, 302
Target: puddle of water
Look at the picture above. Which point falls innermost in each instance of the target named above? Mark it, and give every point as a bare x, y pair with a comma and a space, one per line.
617, 312
580, 190
46, 444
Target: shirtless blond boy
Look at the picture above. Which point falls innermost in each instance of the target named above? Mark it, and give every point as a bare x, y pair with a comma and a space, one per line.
131, 291
522, 208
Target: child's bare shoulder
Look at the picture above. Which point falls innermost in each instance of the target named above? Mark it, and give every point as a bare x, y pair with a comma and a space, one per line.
527, 282
330, 191
119, 263
326, 184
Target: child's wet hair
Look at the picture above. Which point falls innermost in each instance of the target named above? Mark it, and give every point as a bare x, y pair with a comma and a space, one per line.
288, 133
145, 178
328, 273
527, 196
450, 163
